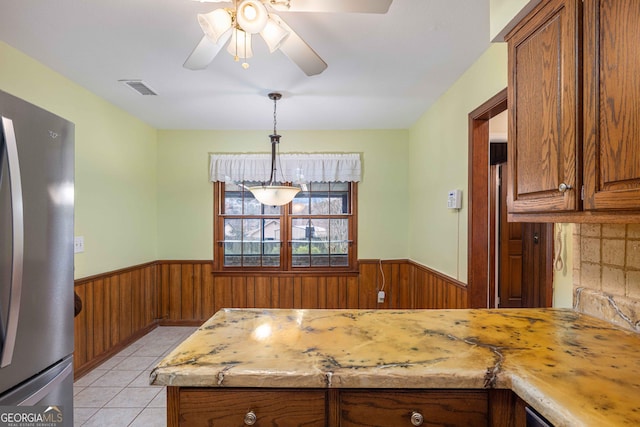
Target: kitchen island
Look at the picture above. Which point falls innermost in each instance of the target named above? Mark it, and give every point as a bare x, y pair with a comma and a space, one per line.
359, 367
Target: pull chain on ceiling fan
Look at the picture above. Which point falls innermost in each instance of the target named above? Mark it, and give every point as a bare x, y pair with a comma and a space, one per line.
248, 17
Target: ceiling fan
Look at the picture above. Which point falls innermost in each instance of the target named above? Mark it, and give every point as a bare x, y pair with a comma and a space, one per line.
243, 18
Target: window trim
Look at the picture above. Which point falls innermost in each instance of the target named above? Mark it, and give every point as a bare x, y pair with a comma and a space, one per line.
286, 217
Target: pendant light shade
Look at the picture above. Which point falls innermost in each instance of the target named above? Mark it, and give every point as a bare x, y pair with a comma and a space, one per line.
274, 195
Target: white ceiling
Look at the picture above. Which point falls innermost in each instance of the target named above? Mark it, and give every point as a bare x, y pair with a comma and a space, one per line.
383, 71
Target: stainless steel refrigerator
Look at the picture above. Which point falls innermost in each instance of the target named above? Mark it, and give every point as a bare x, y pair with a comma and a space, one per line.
36, 257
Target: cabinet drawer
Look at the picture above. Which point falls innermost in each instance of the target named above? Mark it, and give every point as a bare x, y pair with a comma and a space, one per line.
391, 408
272, 408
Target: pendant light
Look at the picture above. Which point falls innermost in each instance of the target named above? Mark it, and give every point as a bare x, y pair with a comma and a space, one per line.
274, 195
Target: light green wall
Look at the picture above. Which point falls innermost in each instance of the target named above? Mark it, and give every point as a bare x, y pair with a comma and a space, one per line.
185, 195
115, 185
503, 14
438, 162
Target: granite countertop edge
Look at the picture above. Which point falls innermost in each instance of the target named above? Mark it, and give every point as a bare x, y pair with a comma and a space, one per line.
503, 369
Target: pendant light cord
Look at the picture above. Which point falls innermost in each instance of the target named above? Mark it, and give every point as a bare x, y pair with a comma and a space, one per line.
275, 138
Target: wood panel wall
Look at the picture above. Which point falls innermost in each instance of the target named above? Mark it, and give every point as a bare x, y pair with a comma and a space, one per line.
120, 306
117, 308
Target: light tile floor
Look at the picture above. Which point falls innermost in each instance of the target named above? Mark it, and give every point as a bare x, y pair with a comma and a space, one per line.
117, 392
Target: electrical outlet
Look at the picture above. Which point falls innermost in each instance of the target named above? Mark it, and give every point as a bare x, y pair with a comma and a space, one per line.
380, 297
78, 244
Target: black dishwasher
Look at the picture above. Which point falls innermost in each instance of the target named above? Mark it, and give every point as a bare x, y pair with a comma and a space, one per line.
534, 419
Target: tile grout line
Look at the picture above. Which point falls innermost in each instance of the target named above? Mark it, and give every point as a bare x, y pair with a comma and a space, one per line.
138, 358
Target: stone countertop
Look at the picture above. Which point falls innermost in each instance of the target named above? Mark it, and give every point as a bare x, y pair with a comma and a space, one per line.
574, 369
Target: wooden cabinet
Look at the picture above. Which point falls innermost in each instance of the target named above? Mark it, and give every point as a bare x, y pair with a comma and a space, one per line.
366, 408
237, 407
217, 407
611, 104
543, 99
574, 105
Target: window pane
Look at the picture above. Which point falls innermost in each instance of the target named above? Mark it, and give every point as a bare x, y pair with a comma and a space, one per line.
300, 261
339, 203
319, 203
300, 205
271, 229
271, 254
320, 261
339, 187
300, 229
339, 261
251, 229
232, 261
251, 205
232, 199
272, 210
339, 230
232, 229
320, 186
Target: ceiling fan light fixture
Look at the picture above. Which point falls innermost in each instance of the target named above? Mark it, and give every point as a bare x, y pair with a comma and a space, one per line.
215, 24
273, 35
240, 44
252, 16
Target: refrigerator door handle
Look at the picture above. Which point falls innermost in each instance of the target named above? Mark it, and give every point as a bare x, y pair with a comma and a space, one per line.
43, 391
15, 184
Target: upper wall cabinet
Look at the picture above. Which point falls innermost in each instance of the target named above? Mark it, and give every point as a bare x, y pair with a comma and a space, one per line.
612, 104
543, 101
574, 112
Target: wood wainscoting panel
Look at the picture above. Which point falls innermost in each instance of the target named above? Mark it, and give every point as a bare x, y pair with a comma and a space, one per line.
120, 306
192, 292
117, 308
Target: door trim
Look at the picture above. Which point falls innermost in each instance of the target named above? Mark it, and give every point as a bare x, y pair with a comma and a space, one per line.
478, 212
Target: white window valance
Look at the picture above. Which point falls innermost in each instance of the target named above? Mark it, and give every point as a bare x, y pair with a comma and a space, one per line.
316, 167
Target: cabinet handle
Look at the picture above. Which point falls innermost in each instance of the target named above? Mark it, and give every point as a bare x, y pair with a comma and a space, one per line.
416, 418
250, 418
564, 187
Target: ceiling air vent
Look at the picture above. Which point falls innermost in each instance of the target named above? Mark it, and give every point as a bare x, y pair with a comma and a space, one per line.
139, 86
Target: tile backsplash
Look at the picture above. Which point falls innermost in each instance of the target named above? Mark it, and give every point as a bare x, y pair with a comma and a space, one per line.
606, 276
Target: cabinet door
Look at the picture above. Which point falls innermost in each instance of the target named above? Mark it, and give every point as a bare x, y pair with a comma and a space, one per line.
397, 408
260, 408
612, 104
544, 99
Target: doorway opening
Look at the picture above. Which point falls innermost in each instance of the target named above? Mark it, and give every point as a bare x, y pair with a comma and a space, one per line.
510, 264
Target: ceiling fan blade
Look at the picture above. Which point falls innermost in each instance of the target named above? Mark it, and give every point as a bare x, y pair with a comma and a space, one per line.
347, 6
204, 53
298, 51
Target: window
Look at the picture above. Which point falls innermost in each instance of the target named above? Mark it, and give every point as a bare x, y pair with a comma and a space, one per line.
316, 231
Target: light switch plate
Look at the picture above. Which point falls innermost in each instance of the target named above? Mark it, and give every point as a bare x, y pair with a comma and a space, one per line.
78, 244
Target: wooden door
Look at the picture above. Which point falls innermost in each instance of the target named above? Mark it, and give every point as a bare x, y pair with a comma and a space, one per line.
612, 104
544, 98
537, 261
510, 259
525, 258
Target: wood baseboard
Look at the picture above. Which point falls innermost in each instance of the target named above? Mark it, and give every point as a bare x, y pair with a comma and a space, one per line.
96, 361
